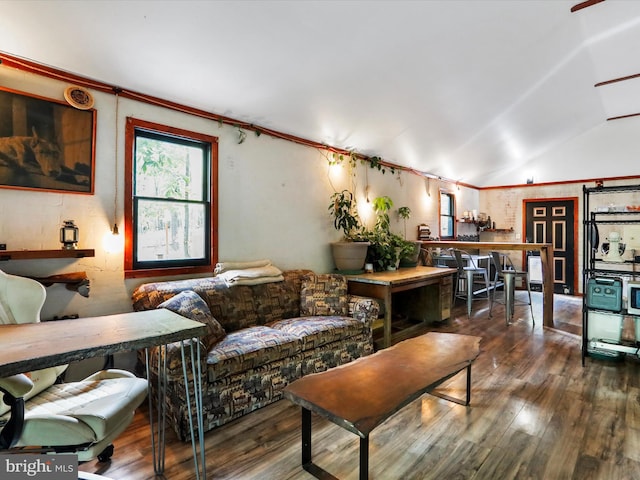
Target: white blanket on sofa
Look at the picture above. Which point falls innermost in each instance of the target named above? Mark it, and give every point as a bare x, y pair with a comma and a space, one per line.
252, 276
226, 266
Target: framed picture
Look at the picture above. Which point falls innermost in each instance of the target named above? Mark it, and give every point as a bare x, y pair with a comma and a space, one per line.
45, 144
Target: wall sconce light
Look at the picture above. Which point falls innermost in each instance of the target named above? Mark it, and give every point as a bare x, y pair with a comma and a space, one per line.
427, 186
69, 235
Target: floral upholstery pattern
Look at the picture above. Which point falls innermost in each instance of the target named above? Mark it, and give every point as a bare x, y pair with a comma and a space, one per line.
324, 294
268, 344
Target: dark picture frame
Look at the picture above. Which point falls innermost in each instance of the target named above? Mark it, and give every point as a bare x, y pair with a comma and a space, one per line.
46, 144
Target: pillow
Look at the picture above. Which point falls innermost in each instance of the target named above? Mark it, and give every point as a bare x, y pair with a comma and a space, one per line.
324, 294
191, 305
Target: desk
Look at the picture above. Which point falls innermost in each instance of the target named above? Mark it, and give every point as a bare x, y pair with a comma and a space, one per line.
33, 346
382, 285
546, 258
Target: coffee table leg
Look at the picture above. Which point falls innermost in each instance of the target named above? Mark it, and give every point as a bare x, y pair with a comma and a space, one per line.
364, 458
306, 437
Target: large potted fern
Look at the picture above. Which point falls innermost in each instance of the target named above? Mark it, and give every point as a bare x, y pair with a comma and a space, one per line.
350, 253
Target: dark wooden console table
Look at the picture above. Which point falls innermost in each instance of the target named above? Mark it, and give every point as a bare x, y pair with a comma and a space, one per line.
382, 285
33, 346
360, 395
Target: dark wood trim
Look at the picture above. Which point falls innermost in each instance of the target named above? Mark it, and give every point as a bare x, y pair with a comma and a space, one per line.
620, 117
565, 182
129, 271
40, 254
587, 3
615, 80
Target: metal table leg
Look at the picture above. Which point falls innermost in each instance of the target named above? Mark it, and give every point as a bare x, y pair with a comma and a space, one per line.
158, 445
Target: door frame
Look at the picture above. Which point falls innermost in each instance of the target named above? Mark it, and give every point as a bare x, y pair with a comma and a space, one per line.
576, 238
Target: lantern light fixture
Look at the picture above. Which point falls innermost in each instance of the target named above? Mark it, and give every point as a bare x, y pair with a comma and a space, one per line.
69, 235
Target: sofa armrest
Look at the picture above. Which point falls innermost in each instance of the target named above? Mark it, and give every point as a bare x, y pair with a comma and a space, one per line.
364, 309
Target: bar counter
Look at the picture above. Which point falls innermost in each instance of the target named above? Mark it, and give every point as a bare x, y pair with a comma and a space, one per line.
546, 258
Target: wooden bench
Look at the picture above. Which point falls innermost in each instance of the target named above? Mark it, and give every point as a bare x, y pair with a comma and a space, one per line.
362, 394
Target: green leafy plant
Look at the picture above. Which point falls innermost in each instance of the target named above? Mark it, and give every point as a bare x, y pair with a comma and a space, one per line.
404, 213
345, 215
386, 247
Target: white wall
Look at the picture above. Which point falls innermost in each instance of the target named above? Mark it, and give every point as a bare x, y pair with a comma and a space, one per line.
273, 200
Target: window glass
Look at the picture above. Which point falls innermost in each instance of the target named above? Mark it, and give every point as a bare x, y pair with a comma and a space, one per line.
447, 215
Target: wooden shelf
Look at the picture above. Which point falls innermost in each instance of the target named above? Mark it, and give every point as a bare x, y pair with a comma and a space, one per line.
36, 254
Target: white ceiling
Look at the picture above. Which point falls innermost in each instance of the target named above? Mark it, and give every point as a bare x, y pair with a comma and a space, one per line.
476, 91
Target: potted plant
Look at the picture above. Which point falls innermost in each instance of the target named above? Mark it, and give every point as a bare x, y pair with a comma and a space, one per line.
386, 247
350, 253
411, 258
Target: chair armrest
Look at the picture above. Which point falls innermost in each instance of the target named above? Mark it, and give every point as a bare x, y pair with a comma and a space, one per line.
17, 385
364, 309
14, 389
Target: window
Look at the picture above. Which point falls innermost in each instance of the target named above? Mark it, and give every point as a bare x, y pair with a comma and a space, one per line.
170, 203
447, 215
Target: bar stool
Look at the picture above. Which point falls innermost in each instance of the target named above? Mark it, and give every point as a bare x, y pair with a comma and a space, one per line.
469, 274
506, 271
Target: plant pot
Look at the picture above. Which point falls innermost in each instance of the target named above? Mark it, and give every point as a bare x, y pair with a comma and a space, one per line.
411, 260
349, 257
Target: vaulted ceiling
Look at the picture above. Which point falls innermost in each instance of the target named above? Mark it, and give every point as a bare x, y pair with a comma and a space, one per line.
475, 91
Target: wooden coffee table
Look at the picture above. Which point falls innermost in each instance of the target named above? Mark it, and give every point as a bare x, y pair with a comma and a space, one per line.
360, 395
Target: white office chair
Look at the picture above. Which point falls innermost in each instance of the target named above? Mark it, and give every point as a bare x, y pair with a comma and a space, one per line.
80, 417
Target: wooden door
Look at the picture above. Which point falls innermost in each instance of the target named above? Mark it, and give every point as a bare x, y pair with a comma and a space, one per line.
554, 221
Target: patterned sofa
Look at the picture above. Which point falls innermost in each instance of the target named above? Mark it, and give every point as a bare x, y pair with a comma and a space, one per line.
260, 339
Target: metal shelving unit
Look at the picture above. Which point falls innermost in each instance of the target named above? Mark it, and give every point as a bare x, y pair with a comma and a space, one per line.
607, 271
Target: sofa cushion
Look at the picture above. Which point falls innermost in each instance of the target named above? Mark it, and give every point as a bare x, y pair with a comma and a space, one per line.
324, 294
320, 330
190, 305
249, 348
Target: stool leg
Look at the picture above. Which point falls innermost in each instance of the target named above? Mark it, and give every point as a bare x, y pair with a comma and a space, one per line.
509, 292
530, 302
469, 291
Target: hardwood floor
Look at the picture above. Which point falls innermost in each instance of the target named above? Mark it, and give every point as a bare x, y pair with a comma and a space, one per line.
535, 413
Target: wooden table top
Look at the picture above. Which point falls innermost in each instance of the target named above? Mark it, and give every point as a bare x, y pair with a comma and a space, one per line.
487, 245
360, 395
31, 346
402, 275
